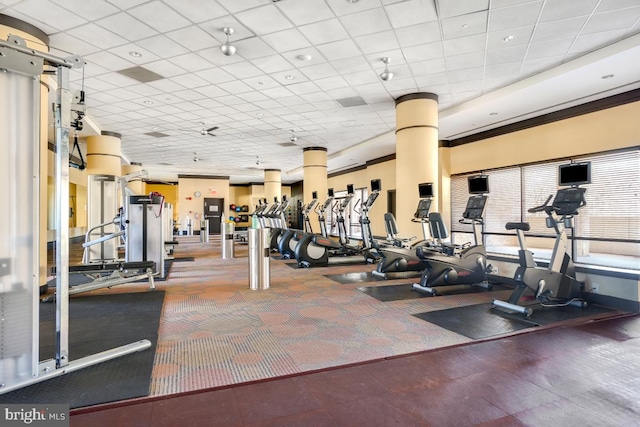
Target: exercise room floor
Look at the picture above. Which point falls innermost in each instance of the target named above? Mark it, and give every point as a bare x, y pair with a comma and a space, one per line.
216, 334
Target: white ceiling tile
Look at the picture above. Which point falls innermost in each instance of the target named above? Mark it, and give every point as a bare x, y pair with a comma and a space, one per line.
242, 70
449, 8
555, 10
277, 92
253, 96
49, 12
165, 68
162, 46
361, 77
303, 88
234, 6
272, 64
502, 70
339, 50
551, 48
558, 29
540, 64
191, 62
302, 12
465, 61
290, 101
91, 11
188, 95
235, 87
506, 55
215, 75
433, 80
411, 12
377, 42
264, 20
127, 26
216, 57
118, 80
324, 32
159, 16
97, 36
193, 38
516, 16
590, 42
341, 7
261, 82
124, 52
67, 43
496, 40
367, 22
189, 81
144, 90
198, 10
315, 97
331, 83
319, 71
457, 76
418, 34
351, 65
466, 25
495, 4
288, 77
284, 41
293, 57
166, 86
432, 66
215, 28
497, 82
461, 97
115, 63
610, 21
469, 44
607, 5
209, 104
423, 52
252, 48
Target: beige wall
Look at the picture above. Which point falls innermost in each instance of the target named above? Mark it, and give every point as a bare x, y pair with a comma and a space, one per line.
189, 204
604, 130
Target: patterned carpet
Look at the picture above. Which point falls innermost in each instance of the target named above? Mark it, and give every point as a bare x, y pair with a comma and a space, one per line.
215, 331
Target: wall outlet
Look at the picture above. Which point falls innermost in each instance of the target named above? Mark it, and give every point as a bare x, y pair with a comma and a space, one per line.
595, 288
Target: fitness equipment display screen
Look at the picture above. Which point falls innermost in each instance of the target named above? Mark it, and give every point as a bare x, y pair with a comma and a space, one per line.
574, 174
376, 185
425, 190
423, 209
478, 184
475, 207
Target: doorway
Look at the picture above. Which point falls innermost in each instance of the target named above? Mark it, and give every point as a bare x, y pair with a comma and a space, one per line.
213, 209
391, 202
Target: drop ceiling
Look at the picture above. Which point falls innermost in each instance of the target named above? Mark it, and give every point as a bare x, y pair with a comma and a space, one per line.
156, 68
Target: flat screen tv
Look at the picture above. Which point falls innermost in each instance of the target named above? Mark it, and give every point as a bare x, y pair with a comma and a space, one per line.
425, 190
376, 185
330, 192
574, 174
350, 189
478, 184
314, 195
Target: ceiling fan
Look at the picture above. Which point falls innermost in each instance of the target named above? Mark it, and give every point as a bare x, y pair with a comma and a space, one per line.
206, 132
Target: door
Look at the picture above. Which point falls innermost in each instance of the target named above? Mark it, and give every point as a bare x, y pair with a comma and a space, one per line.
391, 202
213, 209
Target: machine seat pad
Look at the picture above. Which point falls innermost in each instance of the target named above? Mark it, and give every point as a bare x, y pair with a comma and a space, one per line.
172, 242
326, 242
524, 226
112, 266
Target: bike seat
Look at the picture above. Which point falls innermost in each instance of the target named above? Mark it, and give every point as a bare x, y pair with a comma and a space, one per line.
524, 226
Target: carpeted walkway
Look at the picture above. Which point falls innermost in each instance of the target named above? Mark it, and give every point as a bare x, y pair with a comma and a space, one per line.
215, 331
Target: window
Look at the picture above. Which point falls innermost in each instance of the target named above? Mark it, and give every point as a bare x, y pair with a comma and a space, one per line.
606, 231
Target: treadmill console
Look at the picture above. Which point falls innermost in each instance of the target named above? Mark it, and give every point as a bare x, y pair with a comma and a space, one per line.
371, 200
422, 212
475, 207
569, 200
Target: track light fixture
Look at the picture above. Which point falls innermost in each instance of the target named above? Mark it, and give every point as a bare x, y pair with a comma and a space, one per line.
386, 75
227, 48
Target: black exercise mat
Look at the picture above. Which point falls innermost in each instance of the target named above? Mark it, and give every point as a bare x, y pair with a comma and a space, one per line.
482, 321
364, 277
389, 293
98, 323
81, 279
183, 259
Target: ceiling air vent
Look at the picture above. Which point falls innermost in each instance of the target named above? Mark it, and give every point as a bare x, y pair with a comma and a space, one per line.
156, 134
353, 101
141, 74
287, 144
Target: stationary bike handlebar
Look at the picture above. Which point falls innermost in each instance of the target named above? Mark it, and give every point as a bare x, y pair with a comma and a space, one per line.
542, 207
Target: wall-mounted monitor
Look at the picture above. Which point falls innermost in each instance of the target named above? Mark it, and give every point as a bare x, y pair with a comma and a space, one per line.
376, 185
425, 190
350, 189
330, 192
314, 195
574, 174
478, 184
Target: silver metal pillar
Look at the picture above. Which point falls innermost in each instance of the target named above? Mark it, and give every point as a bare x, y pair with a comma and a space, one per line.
259, 258
226, 238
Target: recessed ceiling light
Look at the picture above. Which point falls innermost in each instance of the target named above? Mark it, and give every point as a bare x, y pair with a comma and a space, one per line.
509, 38
135, 54
154, 128
465, 25
304, 57
289, 77
493, 114
607, 76
148, 102
259, 114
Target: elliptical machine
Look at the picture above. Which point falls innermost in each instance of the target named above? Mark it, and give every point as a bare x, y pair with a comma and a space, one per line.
454, 265
556, 285
317, 250
290, 237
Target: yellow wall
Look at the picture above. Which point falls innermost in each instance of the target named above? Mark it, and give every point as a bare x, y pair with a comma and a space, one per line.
616, 127
210, 188
170, 193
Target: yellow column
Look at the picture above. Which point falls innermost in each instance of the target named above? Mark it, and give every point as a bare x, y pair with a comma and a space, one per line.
417, 157
137, 186
272, 184
103, 154
37, 40
314, 178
